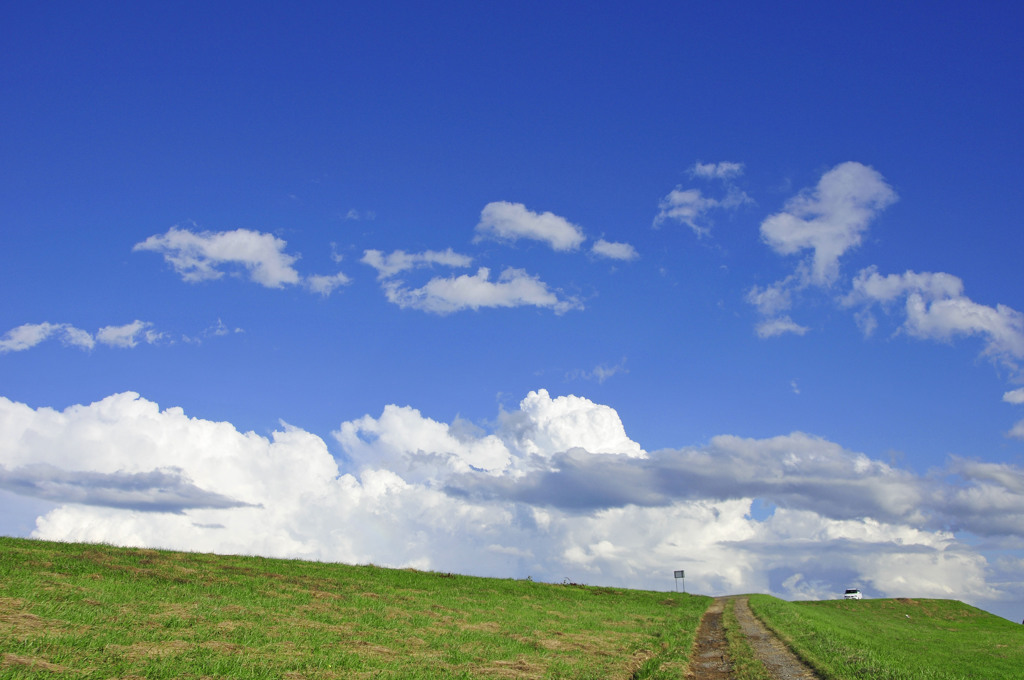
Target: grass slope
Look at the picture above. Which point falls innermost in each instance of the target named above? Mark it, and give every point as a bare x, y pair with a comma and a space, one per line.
897, 639
93, 611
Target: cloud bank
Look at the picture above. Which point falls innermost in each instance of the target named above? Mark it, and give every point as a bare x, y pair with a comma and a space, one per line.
553, 488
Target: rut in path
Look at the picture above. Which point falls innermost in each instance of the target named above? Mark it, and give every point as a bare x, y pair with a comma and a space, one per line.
711, 652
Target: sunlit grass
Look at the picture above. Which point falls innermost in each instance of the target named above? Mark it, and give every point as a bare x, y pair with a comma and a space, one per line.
897, 639
93, 611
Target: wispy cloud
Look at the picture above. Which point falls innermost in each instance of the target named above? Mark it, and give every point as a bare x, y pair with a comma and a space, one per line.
506, 221
128, 335
29, 335
325, 285
614, 251
691, 207
445, 295
779, 325
391, 264
602, 372
721, 170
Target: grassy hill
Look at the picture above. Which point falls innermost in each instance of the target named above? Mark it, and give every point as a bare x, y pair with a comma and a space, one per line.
93, 611
897, 639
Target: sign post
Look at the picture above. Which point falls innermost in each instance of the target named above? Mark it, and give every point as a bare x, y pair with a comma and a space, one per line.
680, 575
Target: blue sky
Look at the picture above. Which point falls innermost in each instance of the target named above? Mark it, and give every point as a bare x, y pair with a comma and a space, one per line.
553, 290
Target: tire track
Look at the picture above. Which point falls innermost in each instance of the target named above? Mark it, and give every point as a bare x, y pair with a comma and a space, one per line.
711, 661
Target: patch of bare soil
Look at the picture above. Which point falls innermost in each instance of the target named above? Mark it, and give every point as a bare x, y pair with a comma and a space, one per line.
781, 663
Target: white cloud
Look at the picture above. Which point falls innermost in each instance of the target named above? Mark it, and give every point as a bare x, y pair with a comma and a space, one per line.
557, 489
686, 206
1014, 396
206, 255
690, 206
722, 170
1017, 431
128, 335
870, 286
199, 256
76, 337
418, 448
601, 372
937, 309
29, 335
511, 221
513, 288
358, 215
544, 426
830, 219
388, 265
772, 299
614, 251
325, 285
780, 325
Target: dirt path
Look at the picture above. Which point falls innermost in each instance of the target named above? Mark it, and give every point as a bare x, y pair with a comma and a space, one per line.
711, 656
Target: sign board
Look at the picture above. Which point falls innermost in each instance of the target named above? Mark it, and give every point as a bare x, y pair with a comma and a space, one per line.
680, 574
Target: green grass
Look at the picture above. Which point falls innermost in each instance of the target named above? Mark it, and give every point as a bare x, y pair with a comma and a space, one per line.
93, 611
897, 639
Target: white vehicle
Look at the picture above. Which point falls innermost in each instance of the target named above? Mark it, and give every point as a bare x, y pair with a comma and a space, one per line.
852, 594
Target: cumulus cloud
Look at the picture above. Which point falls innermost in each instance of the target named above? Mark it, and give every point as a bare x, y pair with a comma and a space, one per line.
614, 251
935, 308
513, 288
207, 255
506, 221
829, 219
200, 256
388, 265
1014, 396
128, 335
552, 488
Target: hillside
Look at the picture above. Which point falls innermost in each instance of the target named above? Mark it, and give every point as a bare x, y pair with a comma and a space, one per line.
892, 639
94, 611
